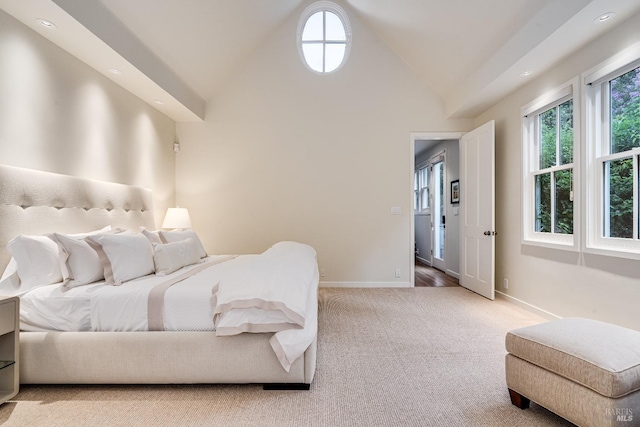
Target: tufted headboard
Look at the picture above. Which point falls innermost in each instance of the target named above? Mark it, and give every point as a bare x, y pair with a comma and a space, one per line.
36, 202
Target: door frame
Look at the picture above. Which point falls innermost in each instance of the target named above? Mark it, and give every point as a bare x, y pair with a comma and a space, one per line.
413, 137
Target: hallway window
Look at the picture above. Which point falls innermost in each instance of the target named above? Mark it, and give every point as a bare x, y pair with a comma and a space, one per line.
421, 190
324, 37
549, 176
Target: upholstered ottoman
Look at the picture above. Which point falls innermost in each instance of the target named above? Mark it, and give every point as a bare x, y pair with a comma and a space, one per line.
586, 371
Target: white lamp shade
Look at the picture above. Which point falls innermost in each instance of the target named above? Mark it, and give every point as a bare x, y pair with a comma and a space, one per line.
177, 218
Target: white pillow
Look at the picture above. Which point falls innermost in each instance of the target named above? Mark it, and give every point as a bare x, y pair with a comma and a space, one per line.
103, 230
153, 236
177, 236
123, 257
81, 263
173, 256
38, 260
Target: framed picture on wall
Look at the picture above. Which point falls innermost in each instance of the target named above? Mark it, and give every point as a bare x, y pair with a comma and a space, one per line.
455, 192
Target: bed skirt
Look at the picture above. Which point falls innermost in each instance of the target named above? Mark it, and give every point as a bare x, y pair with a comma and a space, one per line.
156, 358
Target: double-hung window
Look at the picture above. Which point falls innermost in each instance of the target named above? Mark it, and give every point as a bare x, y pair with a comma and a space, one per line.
550, 130
613, 157
421, 190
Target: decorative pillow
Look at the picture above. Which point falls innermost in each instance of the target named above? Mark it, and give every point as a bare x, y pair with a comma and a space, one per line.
153, 236
37, 259
177, 236
123, 257
103, 230
170, 257
81, 263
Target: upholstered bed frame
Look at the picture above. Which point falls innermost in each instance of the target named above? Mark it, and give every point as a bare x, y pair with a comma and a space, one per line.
35, 202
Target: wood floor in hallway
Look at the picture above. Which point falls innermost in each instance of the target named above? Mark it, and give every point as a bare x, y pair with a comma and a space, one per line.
429, 276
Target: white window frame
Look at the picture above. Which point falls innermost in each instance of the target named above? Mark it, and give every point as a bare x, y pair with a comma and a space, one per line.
324, 6
530, 165
596, 87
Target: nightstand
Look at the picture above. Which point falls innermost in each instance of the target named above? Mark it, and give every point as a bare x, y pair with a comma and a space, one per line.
9, 347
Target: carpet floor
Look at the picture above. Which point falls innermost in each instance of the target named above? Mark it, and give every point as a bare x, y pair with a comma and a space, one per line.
386, 357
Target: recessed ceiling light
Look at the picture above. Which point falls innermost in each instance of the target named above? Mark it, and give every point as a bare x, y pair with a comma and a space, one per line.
46, 24
525, 73
158, 101
604, 17
115, 71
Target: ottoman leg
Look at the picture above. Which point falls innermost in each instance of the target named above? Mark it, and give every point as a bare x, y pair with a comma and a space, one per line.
519, 400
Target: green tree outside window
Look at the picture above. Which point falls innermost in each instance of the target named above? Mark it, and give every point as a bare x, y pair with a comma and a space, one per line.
555, 149
625, 135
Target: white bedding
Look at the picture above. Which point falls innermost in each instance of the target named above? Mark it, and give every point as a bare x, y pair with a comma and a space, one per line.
277, 289
50, 307
288, 269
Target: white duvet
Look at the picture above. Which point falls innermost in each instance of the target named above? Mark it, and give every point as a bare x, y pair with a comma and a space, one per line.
272, 292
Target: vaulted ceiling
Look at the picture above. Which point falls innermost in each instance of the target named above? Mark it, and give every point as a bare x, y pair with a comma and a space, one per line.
181, 52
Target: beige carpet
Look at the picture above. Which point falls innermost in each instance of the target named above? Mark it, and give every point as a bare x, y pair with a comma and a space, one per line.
386, 357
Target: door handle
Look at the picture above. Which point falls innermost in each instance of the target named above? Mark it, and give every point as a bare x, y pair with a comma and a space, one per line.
490, 233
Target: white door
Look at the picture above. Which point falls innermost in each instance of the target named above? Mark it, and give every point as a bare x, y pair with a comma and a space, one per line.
437, 215
477, 216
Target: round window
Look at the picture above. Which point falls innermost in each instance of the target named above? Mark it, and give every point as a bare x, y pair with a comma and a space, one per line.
324, 37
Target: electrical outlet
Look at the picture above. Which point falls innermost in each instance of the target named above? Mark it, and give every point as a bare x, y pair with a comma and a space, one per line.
323, 272
505, 283
398, 272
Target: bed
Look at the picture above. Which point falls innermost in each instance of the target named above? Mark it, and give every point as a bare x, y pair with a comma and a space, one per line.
37, 203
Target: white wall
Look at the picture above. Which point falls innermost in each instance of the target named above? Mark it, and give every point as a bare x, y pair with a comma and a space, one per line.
288, 154
59, 115
563, 283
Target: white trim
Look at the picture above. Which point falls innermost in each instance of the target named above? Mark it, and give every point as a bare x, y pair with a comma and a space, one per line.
529, 307
627, 58
453, 274
435, 135
365, 285
546, 101
424, 261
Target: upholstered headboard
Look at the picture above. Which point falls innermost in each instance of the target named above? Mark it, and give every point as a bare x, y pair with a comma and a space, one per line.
36, 202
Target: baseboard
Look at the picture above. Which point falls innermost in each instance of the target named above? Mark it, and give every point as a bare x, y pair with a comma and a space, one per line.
529, 307
453, 274
365, 284
424, 261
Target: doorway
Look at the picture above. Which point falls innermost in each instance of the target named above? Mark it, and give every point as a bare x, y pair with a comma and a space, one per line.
472, 221
435, 228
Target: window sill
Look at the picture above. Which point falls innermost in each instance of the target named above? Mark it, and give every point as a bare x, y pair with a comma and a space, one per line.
567, 244
614, 252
